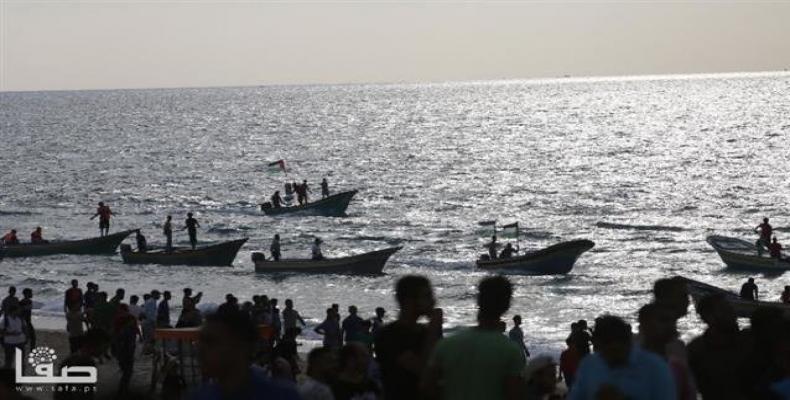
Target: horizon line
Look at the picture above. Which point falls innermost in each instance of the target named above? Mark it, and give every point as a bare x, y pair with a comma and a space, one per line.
532, 80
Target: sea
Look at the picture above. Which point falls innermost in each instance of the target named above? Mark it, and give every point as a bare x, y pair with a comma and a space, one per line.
646, 167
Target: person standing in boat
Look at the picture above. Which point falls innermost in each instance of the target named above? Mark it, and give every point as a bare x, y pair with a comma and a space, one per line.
749, 290
167, 229
766, 231
275, 247
10, 238
289, 193
775, 249
508, 251
324, 189
104, 213
492, 246
142, 244
316, 250
37, 237
191, 227
276, 199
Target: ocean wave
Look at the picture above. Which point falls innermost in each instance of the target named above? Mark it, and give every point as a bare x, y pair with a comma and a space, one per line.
667, 228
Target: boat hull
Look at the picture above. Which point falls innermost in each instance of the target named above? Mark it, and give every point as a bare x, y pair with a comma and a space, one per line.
362, 264
557, 259
96, 246
332, 206
218, 255
743, 308
742, 255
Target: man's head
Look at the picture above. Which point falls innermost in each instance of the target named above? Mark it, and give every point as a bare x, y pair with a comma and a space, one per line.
751, 280
493, 297
227, 344
354, 357
277, 236
415, 295
775, 240
169, 217
74, 283
167, 295
155, 294
352, 310
717, 313
12, 290
189, 215
657, 324
101, 204
187, 292
517, 320
612, 340
672, 293
380, 312
765, 220
134, 299
289, 303
27, 293
13, 231
120, 294
38, 229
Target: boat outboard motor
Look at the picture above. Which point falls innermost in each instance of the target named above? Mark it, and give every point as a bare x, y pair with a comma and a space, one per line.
258, 256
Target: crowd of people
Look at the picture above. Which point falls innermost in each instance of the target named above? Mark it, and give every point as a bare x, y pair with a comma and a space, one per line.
410, 357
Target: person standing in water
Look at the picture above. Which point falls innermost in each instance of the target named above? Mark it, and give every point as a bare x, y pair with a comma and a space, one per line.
324, 189
167, 229
191, 227
275, 248
104, 213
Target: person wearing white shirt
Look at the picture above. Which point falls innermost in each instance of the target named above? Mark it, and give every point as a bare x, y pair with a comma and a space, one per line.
13, 328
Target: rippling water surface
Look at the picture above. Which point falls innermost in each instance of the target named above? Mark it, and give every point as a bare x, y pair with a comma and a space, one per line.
647, 168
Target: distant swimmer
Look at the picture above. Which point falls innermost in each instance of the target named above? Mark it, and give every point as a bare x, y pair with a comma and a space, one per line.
275, 247
316, 250
37, 237
749, 290
142, 244
191, 227
324, 189
766, 231
775, 249
104, 213
276, 199
167, 230
508, 251
492, 246
10, 238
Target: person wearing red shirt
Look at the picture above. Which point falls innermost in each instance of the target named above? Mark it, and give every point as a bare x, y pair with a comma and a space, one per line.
37, 237
104, 213
10, 237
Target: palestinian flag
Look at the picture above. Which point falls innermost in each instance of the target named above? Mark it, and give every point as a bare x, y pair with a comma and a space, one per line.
487, 228
276, 166
510, 230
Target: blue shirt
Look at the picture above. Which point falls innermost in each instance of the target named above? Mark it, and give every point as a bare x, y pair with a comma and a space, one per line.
260, 387
645, 377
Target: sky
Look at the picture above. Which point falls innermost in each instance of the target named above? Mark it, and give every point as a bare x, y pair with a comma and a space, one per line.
101, 44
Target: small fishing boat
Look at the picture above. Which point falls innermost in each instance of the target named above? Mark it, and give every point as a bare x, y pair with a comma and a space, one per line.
557, 259
97, 245
743, 308
331, 206
740, 254
371, 263
219, 255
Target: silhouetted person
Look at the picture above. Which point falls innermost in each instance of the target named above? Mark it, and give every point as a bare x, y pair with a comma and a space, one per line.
352, 381
124, 339
480, 362
766, 231
231, 304
330, 330
163, 311
291, 317
516, 334
275, 248
749, 290
142, 244
315, 251
377, 322
775, 249
10, 238
657, 329
37, 237
619, 369
26, 313
191, 225
324, 189
104, 213
508, 251
492, 247
8, 301
73, 296
167, 230
276, 200
352, 325
228, 346
716, 357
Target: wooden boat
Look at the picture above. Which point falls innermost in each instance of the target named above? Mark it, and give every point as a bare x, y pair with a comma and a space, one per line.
332, 206
219, 255
371, 263
97, 245
743, 308
557, 259
740, 254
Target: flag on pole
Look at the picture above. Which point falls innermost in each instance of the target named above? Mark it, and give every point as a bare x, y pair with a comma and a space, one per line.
510, 230
276, 166
487, 228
